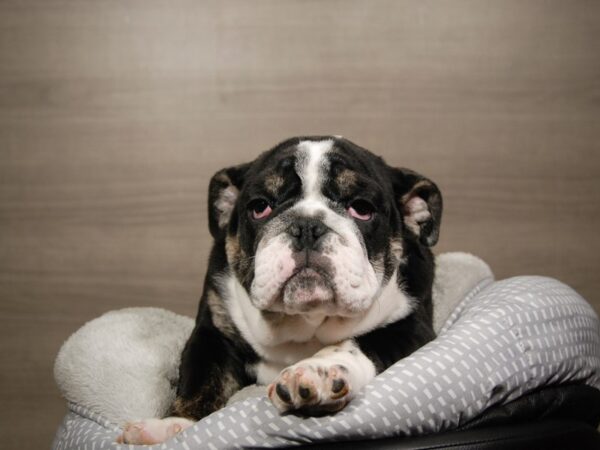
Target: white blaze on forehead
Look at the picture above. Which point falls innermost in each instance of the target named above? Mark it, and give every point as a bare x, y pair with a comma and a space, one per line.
311, 165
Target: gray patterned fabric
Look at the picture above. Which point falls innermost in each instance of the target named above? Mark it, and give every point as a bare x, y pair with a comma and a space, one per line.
504, 339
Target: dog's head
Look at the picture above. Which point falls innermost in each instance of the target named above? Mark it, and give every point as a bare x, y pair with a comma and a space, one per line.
319, 224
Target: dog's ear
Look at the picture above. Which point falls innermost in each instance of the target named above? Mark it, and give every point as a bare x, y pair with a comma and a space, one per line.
420, 203
223, 192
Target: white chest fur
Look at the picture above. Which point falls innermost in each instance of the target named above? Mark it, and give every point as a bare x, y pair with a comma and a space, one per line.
286, 339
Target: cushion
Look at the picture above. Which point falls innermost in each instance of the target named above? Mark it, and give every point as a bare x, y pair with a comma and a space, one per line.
497, 341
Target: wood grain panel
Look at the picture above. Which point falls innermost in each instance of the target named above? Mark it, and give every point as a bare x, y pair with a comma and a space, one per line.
114, 115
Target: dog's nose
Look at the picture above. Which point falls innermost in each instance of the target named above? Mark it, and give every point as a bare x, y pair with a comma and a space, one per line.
306, 233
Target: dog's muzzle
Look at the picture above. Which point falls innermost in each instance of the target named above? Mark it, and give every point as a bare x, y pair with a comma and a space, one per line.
313, 264
310, 287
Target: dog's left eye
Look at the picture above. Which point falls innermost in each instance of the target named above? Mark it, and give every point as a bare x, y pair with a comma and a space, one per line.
260, 209
361, 210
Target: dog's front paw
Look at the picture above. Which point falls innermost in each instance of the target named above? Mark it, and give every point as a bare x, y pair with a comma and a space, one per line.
152, 431
311, 388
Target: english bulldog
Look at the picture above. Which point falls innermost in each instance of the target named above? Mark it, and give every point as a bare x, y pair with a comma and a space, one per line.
319, 278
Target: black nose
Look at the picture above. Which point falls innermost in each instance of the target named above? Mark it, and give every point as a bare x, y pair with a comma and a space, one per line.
306, 233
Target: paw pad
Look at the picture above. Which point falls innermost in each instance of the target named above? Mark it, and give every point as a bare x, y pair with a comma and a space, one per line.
283, 393
304, 392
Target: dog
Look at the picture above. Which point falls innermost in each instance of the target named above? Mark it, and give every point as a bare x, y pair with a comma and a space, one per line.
320, 277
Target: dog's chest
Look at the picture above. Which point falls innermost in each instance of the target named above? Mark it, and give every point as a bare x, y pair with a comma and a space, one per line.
284, 340
287, 341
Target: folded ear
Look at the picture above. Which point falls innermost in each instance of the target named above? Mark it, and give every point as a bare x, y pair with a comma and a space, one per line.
420, 202
223, 192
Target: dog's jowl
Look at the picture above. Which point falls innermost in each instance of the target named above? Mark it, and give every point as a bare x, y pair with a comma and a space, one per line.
319, 278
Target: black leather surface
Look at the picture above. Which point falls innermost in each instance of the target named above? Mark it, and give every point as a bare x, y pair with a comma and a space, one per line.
547, 435
562, 417
579, 403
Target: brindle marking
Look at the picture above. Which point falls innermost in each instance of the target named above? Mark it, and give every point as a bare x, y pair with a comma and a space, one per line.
273, 183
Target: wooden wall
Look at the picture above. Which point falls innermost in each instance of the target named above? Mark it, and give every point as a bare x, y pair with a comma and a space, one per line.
114, 114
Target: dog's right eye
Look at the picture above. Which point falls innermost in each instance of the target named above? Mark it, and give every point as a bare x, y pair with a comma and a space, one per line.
260, 209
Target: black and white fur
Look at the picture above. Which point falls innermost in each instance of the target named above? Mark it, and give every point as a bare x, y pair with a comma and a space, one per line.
320, 277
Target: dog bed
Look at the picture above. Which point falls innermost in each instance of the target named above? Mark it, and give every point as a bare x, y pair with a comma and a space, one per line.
497, 341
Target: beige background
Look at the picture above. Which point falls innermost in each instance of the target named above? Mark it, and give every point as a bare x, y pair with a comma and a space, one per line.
114, 114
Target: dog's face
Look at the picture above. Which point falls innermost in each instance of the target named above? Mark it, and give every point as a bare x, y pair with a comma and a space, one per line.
318, 224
